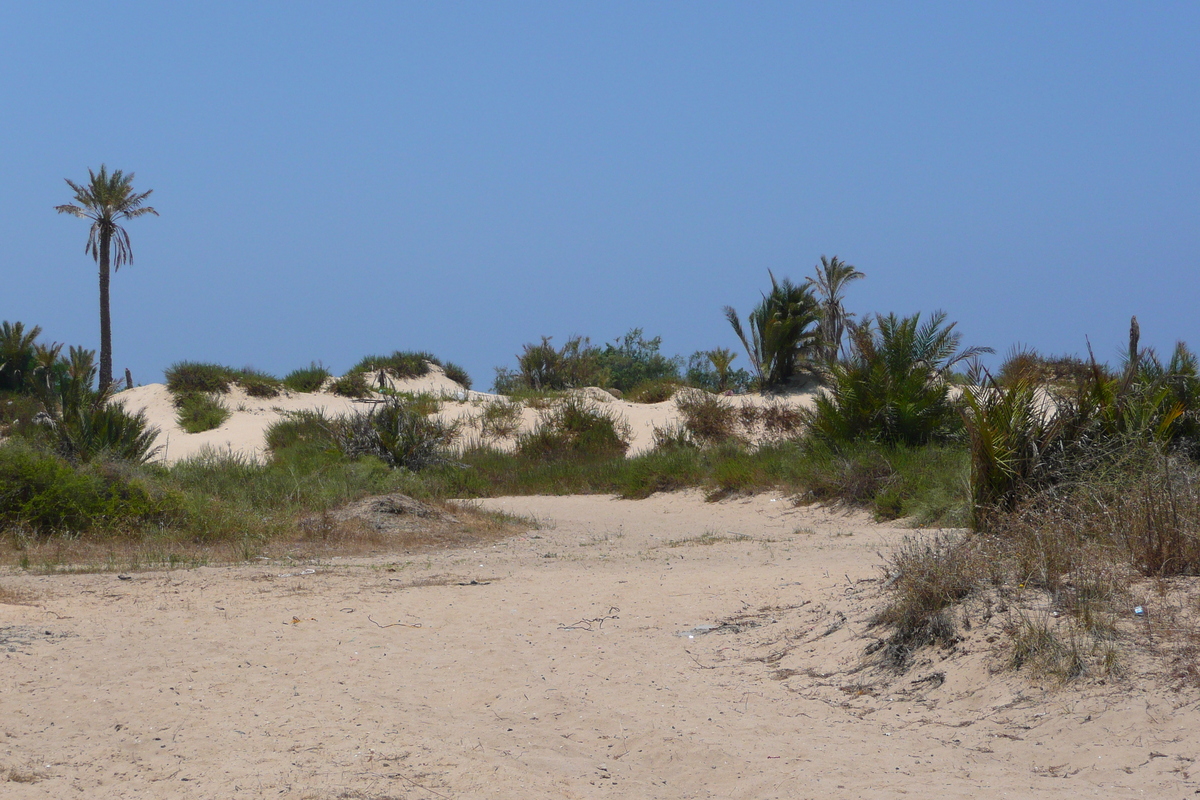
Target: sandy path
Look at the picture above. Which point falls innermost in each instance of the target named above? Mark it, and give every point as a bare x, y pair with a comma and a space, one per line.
262, 681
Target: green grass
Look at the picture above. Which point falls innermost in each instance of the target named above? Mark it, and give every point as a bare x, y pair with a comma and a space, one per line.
352, 384
194, 377
401, 364
191, 377
257, 383
306, 379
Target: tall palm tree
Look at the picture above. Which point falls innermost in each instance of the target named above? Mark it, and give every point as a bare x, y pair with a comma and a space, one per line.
830, 281
107, 199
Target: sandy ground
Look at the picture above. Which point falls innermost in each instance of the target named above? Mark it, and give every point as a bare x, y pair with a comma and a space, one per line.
244, 432
663, 648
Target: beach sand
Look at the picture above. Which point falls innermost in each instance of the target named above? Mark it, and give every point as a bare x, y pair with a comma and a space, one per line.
661, 648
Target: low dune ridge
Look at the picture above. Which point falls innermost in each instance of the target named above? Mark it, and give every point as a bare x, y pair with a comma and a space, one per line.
243, 434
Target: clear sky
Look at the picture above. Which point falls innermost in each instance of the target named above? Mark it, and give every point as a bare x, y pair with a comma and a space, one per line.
337, 179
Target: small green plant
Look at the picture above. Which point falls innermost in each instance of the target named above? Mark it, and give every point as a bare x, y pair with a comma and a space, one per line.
200, 411
307, 379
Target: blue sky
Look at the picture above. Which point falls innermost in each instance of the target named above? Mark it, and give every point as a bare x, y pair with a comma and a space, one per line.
341, 179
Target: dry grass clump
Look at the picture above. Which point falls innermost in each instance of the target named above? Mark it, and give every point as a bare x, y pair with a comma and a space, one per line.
576, 427
928, 575
708, 418
500, 419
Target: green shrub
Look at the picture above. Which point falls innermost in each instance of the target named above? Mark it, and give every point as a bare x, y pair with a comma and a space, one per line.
352, 384
200, 411
400, 364
658, 390
457, 374
500, 419
541, 367
49, 495
191, 377
301, 429
891, 389
707, 418
397, 434
573, 428
307, 379
258, 384
635, 361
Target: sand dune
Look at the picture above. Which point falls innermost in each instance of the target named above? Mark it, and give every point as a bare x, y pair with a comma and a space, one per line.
243, 433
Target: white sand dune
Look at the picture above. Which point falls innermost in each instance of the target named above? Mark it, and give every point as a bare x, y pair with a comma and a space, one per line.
244, 432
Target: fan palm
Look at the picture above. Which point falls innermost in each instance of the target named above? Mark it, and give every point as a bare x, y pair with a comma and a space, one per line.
830, 282
106, 199
782, 331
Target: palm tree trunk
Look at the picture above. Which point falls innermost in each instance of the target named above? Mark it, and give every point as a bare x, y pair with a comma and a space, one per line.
105, 321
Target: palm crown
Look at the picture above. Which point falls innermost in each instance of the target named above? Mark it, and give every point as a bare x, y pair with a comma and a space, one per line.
105, 199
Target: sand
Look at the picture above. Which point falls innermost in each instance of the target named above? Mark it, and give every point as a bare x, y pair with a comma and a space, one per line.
663, 648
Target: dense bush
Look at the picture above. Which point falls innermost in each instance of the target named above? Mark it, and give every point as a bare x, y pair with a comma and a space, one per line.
400, 364
397, 434
633, 361
352, 384
457, 374
257, 383
624, 364
47, 494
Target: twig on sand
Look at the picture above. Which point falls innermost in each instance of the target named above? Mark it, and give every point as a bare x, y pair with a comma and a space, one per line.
393, 625
404, 777
586, 624
698, 664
